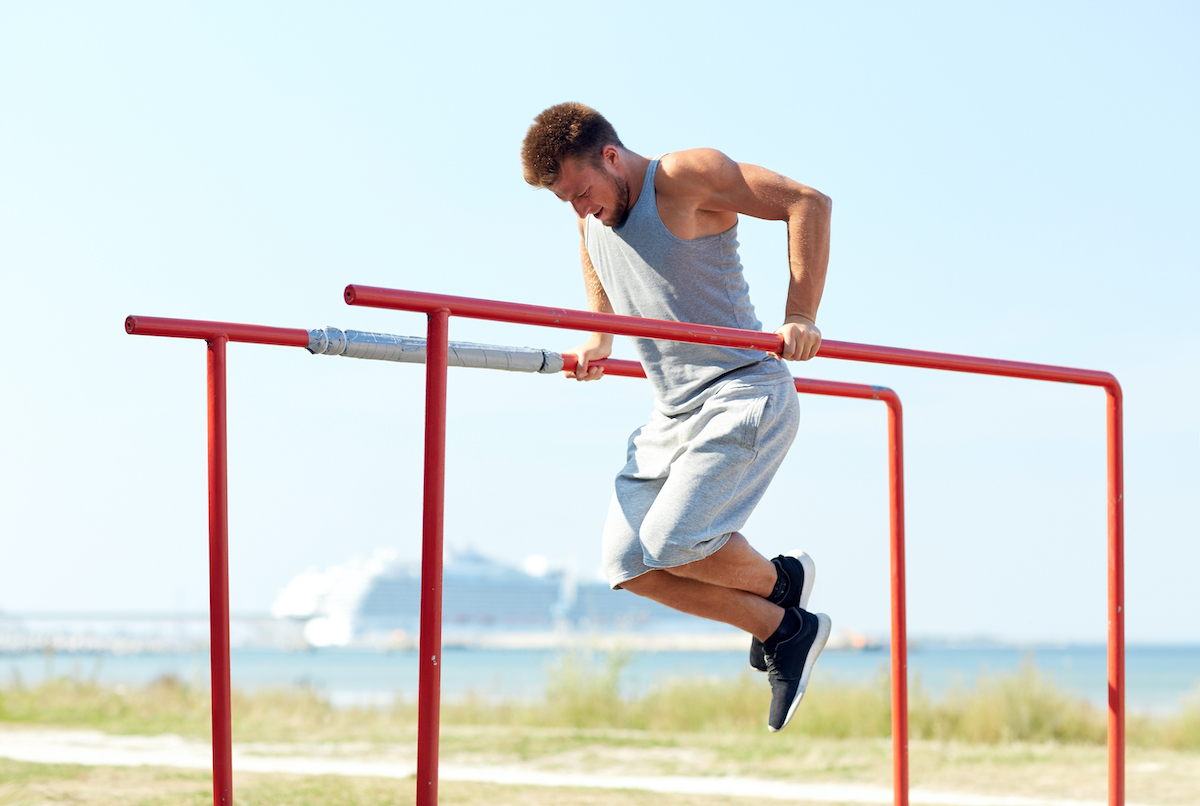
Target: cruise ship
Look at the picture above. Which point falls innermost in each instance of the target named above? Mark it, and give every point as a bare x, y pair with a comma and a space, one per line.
379, 600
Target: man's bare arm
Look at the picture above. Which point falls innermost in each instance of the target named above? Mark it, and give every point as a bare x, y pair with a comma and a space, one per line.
599, 345
715, 184
596, 295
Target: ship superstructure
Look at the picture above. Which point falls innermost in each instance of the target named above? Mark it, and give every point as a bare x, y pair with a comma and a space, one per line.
379, 599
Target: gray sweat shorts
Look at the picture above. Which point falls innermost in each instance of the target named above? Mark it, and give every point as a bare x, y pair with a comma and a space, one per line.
693, 479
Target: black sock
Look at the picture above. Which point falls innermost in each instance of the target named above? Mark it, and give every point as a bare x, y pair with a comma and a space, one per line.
790, 625
780, 592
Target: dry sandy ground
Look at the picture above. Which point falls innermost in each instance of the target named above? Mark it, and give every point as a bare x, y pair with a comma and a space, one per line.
966, 777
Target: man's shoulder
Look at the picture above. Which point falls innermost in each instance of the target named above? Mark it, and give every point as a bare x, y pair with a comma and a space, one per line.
697, 176
697, 165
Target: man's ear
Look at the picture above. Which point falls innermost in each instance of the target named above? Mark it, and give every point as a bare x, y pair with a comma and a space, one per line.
610, 155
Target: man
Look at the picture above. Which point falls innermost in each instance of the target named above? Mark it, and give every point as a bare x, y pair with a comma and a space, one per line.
659, 240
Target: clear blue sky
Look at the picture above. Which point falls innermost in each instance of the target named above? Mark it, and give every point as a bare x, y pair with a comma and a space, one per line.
1014, 181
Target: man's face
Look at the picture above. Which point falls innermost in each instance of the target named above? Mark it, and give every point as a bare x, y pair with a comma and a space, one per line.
596, 190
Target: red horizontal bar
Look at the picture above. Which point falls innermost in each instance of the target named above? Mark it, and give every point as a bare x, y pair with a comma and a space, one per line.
964, 363
612, 366
808, 386
812, 386
567, 318
202, 329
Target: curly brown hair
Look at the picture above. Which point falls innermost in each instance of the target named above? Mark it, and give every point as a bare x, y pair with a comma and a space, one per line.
564, 131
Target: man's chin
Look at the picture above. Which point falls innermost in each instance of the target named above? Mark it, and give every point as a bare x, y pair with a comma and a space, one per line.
611, 221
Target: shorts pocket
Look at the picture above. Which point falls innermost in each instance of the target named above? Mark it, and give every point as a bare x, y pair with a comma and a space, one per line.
749, 429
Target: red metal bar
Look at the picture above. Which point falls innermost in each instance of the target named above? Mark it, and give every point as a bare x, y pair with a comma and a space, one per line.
560, 317
899, 641
201, 329
429, 687
584, 320
570, 319
899, 599
870, 353
677, 331
429, 684
1116, 598
218, 576
1116, 503
899, 648
612, 366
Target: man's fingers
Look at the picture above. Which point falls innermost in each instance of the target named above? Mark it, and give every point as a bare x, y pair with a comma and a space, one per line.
799, 343
789, 343
584, 372
815, 348
581, 367
574, 371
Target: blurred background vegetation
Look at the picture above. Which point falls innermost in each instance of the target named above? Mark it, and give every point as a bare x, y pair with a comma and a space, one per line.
1020, 707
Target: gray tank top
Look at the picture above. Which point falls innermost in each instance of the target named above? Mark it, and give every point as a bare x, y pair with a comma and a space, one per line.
647, 271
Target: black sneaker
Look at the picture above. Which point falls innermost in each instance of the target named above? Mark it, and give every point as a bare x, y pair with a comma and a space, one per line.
801, 573
791, 664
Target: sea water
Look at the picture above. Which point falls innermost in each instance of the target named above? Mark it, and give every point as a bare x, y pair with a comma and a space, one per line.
1159, 678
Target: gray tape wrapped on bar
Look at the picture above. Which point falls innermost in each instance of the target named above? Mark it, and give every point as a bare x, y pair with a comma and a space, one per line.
411, 350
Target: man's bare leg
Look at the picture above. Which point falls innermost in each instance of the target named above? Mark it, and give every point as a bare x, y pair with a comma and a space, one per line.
731, 585
735, 565
744, 610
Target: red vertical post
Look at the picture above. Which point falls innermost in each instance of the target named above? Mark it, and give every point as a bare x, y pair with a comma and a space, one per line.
1116, 598
899, 612
429, 687
218, 576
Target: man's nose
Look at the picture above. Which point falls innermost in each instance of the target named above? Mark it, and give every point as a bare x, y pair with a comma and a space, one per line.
581, 207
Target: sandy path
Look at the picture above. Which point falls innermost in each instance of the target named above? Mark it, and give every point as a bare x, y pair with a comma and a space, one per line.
93, 748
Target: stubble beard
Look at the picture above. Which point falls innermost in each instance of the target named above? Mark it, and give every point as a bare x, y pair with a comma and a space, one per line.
621, 208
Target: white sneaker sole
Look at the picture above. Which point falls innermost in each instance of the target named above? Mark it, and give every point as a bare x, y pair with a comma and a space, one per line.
810, 575
824, 628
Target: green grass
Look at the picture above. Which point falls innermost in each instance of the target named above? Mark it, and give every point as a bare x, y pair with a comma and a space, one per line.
1020, 707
